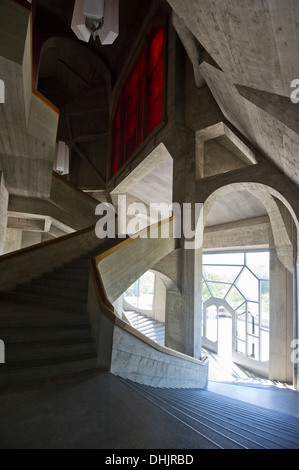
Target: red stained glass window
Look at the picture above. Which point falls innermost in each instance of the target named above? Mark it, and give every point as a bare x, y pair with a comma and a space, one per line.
140, 106
115, 145
155, 74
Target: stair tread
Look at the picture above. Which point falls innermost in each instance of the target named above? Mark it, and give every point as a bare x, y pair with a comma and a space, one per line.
28, 364
230, 423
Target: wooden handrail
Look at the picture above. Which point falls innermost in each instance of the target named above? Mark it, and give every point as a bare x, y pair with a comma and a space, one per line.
47, 243
71, 185
107, 308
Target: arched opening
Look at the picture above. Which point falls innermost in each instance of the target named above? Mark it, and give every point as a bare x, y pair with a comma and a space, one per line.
144, 304
236, 315
273, 315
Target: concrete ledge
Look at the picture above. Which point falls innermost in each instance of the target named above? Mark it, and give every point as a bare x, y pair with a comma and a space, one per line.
134, 359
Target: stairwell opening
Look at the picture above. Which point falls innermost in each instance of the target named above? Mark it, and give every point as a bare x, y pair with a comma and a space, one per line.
144, 305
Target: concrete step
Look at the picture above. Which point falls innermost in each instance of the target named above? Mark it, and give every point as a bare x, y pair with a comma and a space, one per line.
153, 329
52, 303
67, 276
72, 268
225, 421
59, 340
58, 292
43, 321
53, 369
21, 354
78, 285
25, 335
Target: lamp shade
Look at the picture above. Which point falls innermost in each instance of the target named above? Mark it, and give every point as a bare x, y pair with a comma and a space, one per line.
109, 31
94, 9
78, 22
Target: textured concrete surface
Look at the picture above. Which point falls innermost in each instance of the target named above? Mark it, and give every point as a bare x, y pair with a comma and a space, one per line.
135, 360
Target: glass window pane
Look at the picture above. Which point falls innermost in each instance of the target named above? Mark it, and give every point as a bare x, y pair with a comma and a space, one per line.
259, 263
265, 305
218, 290
221, 273
212, 323
241, 325
248, 285
224, 258
264, 345
234, 298
155, 78
146, 291
253, 318
205, 292
241, 348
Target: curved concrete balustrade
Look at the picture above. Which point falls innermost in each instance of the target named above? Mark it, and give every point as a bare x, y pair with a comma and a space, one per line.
24, 265
121, 349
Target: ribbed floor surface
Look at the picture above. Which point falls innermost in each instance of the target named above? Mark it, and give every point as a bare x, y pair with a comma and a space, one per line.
223, 422
100, 411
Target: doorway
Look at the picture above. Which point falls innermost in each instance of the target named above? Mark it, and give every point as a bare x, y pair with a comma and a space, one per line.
235, 320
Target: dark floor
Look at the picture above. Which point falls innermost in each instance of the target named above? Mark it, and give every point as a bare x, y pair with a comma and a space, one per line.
97, 411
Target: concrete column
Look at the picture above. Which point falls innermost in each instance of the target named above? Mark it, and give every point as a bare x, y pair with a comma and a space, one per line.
281, 320
13, 240
4, 196
159, 301
182, 148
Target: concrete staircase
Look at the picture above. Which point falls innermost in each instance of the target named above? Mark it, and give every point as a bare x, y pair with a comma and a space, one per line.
45, 325
222, 422
153, 329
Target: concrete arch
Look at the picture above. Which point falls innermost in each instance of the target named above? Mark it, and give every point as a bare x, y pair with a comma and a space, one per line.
168, 283
265, 194
283, 293
69, 46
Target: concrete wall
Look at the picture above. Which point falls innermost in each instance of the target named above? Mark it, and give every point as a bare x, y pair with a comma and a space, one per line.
137, 361
130, 355
66, 204
3, 212
124, 266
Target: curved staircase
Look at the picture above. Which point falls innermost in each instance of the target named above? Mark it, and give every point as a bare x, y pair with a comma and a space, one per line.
46, 329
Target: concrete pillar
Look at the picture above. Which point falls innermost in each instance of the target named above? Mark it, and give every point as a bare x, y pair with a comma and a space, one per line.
281, 320
13, 240
159, 302
182, 148
4, 196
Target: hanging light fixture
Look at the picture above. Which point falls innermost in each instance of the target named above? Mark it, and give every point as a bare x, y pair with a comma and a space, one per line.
96, 18
62, 161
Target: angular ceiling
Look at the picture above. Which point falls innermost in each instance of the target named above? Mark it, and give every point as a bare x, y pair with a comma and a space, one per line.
255, 46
